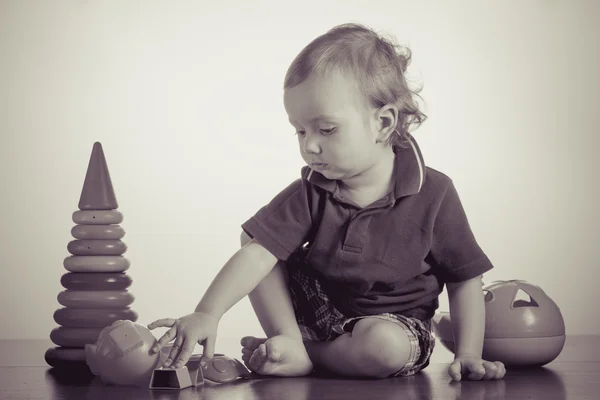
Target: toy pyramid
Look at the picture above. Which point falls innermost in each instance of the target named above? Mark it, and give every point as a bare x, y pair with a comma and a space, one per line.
96, 285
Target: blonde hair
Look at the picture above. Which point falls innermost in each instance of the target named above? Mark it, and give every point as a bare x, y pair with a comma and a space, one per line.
377, 64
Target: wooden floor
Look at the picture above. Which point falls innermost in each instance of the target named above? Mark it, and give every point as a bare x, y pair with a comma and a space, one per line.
574, 375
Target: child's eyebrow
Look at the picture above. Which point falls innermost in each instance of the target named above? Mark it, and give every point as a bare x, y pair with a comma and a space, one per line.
322, 117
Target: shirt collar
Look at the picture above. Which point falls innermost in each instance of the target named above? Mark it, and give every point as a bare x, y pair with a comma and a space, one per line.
409, 172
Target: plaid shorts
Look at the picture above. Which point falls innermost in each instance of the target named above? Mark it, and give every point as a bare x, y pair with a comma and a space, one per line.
319, 320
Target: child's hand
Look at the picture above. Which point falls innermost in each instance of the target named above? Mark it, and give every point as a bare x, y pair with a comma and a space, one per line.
197, 327
476, 368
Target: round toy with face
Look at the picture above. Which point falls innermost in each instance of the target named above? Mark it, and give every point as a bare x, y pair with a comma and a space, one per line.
523, 326
122, 356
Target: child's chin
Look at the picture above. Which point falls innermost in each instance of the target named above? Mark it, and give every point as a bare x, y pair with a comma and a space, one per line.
332, 175
326, 171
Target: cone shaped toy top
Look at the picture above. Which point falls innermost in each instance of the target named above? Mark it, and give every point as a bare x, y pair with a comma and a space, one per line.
97, 192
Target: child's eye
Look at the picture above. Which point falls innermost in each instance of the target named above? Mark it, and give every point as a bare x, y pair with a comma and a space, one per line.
328, 131
299, 133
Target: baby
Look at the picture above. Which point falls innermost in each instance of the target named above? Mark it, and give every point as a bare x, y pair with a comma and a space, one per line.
344, 267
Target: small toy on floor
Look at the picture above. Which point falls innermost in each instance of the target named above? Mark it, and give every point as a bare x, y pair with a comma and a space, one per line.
220, 369
519, 332
122, 356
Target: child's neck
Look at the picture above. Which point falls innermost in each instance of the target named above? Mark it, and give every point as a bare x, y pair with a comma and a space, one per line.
372, 184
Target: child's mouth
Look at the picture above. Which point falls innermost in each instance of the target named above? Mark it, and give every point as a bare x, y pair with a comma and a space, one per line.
319, 165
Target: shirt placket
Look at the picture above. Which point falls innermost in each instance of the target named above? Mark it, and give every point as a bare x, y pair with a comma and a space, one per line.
357, 230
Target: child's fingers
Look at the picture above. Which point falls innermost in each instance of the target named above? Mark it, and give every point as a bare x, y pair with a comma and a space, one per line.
500, 370
162, 322
170, 322
209, 349
186, 352
173, 354
166, 338
455, 370
490, 370
477, 370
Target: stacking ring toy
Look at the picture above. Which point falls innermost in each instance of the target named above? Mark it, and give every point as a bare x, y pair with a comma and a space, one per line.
96, 263
95, 299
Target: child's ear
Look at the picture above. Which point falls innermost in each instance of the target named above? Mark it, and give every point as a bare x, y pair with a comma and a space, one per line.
387, 119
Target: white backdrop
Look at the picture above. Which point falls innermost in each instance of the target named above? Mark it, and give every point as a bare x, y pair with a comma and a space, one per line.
186, 99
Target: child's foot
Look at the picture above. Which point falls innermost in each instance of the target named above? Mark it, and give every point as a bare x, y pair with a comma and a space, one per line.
280, 355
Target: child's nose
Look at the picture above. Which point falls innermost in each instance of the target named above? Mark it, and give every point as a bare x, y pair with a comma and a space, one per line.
311, 144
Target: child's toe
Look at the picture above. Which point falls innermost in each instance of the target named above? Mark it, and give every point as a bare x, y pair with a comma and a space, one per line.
273, 350
251, 342
258, 358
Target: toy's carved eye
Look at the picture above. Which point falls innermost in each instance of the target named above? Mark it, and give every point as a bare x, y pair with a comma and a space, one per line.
488, 296
522, 299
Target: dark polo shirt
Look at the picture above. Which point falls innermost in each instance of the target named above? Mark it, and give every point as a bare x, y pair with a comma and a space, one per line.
392, 256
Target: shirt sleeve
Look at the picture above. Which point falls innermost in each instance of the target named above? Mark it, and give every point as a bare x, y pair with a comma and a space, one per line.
455, 253
283, 225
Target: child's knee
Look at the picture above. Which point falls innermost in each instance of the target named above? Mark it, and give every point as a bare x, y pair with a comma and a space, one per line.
386, 346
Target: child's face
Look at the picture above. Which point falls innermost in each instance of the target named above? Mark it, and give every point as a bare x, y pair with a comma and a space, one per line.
335, 126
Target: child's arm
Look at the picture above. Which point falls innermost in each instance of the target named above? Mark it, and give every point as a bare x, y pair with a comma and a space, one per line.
238, 277
467, 312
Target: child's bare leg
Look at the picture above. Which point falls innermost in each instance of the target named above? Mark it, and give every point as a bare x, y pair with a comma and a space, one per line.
375, 348
283, 353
